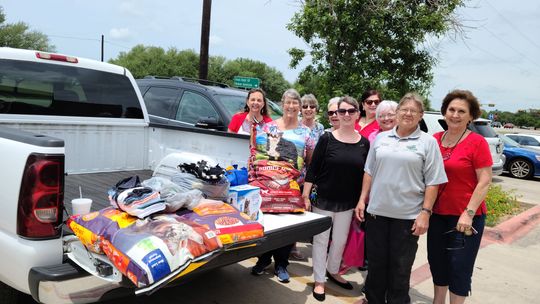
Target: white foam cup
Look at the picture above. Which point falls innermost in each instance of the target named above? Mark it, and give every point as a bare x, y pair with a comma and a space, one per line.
81, 205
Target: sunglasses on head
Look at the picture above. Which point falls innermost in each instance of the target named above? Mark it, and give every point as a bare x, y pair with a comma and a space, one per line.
309, 106
350, 111
371, 101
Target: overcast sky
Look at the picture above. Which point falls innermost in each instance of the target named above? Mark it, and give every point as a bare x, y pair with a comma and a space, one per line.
499, 60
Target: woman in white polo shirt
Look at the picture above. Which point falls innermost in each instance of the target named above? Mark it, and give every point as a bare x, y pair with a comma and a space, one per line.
403, 171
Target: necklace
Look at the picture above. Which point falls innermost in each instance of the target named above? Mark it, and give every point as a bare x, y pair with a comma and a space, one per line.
448, 150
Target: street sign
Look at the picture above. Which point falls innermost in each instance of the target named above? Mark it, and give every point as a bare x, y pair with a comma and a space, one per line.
490, 116
246, 82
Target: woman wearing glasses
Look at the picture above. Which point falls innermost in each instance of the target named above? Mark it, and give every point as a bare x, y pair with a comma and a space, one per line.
403, 171
457, 223
310, 107
280, 150
255, 111
386, 118
368, 123
333, 118
336, 169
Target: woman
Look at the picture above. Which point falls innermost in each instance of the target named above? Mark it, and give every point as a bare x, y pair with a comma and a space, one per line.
367, 123
457, 223
255, 111
310, 108
296, 149
336, 169
386, 118
333, 118
403, 171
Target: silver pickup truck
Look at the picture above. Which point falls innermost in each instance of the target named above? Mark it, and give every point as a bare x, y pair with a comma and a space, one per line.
69, 123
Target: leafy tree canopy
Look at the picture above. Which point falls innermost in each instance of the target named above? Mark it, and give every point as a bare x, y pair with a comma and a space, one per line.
149, 60
18, 35
359, 44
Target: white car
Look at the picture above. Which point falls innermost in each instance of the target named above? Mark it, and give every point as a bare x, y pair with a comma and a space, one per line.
526, 140
434, 122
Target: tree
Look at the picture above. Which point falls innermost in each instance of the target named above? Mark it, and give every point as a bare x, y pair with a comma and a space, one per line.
149, 60
361, 44
18, 35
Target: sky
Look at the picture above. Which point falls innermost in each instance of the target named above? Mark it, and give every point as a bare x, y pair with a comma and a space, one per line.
497, 57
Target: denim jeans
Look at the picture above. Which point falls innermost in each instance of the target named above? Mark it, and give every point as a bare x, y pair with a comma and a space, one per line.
392, 249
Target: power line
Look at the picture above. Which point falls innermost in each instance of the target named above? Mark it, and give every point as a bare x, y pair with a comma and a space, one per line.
510, 46
513, 26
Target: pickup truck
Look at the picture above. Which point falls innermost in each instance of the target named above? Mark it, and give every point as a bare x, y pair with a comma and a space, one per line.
70, 125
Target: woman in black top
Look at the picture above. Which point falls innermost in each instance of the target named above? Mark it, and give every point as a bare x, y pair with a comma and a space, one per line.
337, 168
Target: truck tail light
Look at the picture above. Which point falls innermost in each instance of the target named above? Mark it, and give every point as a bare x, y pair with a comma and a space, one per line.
57, 57
41, 198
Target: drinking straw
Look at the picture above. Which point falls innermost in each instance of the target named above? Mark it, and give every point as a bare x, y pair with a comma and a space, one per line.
80, 191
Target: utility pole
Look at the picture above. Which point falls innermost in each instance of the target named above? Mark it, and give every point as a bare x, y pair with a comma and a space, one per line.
205, 37
102, 46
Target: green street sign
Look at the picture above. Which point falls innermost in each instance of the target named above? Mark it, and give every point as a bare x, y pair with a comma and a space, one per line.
246, 82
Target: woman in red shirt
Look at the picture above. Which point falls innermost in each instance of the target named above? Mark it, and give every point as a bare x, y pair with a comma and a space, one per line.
255, 111
367, 123
457, 223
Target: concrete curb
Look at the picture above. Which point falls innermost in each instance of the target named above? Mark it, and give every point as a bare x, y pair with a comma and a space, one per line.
506, 233
514, 228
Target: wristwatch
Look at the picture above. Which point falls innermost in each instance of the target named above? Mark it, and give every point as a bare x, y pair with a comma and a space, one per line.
426, 210
470, 212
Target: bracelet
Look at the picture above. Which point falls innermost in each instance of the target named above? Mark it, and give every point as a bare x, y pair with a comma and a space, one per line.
427, 210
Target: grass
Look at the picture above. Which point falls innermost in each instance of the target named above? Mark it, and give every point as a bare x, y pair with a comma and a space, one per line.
500, 205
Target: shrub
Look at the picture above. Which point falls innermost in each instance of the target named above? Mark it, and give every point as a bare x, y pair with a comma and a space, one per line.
500, 204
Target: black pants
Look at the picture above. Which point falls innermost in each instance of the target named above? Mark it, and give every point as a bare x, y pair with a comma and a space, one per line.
392, 249
281, 256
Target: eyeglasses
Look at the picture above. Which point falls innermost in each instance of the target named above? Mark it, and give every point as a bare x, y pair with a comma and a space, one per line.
413, 112
350, 111
371, 101
331, 113
456, 239
388, 116
309, 106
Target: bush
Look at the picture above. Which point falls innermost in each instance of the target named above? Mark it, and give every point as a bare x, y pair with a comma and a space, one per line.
500, 204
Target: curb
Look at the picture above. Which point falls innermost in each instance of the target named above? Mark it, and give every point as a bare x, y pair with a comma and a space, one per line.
506, 233
515, 227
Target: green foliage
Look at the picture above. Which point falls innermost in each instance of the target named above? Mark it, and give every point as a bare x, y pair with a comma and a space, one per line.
360, 44
529, 118
500, 204
18, 35
149, 60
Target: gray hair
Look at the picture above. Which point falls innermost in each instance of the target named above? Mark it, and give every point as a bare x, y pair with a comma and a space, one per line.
310, 99
412, 96
292, 94
385, 106
333, 100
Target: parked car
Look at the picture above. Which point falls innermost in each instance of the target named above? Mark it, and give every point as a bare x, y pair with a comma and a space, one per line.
526, 140
188, 102
521, 162
434, 122
509, 125
496, 124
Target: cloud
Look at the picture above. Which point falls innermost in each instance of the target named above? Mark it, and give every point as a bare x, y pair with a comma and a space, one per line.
120, 33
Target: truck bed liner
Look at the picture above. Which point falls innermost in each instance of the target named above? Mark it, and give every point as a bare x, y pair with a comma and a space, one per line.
95, 186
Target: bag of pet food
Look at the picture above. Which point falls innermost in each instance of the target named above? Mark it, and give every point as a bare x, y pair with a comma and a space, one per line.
229, 224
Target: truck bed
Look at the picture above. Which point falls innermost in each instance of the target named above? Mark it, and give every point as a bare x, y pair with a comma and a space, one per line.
95, 186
